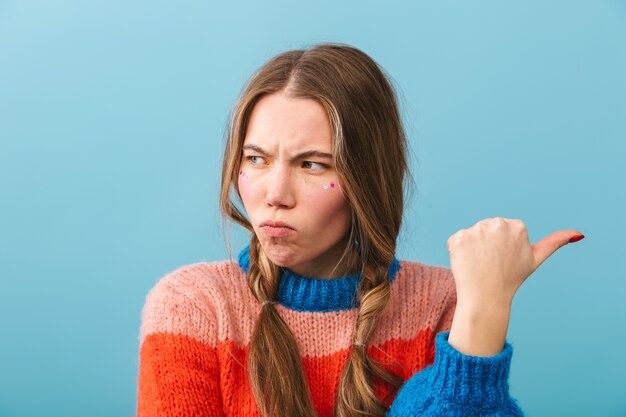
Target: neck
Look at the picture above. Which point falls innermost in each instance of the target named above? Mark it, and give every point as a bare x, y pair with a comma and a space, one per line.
335, 264
349, 265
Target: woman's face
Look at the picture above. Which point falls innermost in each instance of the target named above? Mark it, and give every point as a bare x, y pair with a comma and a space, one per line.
287, 175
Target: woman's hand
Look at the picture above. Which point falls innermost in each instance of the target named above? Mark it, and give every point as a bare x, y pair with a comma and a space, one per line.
490, 261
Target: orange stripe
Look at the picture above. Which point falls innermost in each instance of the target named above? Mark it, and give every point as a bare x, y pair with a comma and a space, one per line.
191, 377
177, 376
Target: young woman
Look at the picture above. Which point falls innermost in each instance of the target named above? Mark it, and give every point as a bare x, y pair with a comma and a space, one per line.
318, 317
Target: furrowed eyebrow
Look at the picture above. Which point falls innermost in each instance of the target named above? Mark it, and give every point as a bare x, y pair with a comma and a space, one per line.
306, 154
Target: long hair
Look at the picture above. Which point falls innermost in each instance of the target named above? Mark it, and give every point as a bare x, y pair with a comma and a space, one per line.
369, 152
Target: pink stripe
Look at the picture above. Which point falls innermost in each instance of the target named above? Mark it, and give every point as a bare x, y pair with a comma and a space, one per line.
197, 300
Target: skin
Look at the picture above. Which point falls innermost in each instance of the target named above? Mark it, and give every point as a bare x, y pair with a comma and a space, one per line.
279, 186
489, 261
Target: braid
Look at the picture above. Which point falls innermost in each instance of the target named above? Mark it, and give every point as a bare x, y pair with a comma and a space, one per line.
355, 395
275, 371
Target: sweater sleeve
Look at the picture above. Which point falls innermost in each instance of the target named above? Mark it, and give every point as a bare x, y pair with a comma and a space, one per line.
458, 385
455, 384
178, 362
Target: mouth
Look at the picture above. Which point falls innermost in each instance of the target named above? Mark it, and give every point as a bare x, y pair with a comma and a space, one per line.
277, 231
276, 228
273, 223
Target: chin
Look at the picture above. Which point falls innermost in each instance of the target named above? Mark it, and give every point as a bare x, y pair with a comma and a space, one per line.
279, 254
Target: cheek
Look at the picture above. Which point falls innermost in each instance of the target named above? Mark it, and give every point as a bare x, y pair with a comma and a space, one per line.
328, 205
245, 189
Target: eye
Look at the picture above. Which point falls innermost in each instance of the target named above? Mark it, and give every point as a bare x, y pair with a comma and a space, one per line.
252, 161
322, 166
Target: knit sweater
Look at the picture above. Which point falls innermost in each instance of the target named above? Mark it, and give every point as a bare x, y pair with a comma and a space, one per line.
198, 320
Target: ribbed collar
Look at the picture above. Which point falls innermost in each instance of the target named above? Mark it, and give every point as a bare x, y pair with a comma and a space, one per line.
302, 293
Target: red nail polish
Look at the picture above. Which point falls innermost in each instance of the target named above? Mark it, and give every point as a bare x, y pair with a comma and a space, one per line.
576, 238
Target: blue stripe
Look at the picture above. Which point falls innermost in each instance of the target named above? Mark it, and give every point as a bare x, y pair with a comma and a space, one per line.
302, 293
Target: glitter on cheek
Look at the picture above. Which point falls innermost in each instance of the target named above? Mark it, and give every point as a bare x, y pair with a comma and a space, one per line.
332, 185
243, 174
325, 187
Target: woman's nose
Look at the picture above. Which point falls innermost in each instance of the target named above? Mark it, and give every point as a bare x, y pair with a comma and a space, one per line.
279, 187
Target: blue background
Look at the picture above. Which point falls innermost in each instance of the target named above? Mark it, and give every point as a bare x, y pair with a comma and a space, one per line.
112, 117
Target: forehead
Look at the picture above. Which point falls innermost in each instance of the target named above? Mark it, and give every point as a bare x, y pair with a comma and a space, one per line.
290, 123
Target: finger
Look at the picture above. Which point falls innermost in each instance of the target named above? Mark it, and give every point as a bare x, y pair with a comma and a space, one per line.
550, 244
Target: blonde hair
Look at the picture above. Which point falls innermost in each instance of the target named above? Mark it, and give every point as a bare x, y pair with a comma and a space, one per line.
369, 152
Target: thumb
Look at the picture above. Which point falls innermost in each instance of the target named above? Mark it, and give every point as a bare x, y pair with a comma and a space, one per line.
551, 243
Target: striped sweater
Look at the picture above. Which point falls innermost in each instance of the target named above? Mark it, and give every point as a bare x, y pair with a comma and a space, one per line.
197, 322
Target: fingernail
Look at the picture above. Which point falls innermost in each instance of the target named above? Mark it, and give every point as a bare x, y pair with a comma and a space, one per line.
576, 238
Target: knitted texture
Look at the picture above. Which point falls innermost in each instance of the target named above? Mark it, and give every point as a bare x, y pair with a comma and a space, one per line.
197, 322
302, 293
